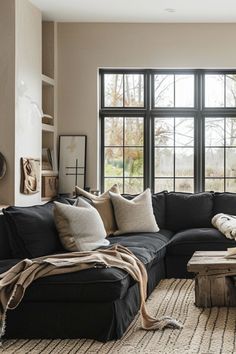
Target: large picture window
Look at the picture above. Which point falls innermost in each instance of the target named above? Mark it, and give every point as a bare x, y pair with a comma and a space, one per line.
169, 130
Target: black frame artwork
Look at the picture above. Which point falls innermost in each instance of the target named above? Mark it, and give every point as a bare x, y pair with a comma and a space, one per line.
72, 168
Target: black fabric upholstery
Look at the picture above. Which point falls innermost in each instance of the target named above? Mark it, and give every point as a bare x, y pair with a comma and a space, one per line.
186, 242
5, 251
93, 285
102, 321
97, 285
101, 303
224, 203
186, 210
32, 231
159, 206
176, 267
148, 247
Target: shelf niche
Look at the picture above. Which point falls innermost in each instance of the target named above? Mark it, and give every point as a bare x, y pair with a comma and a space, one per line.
49, 120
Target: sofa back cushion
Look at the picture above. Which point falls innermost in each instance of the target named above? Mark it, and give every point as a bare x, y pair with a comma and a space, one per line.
224, 203
187, 210
158, 204
32, 231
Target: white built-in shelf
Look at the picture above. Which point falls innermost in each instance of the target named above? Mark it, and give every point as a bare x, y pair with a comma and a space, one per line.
47, 81
49, 173
48, 128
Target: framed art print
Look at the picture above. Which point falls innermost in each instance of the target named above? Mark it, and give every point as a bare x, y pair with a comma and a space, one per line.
72, 162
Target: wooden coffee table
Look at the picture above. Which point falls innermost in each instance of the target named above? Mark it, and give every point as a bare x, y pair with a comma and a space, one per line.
215, 280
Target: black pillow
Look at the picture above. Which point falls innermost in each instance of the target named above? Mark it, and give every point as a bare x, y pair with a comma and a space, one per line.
224, 203
158, 204
32, 231
188, 210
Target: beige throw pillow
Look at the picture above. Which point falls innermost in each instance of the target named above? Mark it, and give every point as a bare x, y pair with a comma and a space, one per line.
134, 215
80, 191
80, 227
104, 206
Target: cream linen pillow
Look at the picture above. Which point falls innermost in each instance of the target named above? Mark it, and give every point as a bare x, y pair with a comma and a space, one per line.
134, 215
80, 227
104, 206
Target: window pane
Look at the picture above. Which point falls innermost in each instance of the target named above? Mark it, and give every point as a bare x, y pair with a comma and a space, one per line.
214, 162
134, 131
133, 162
164, 166
184, 131
184, 185
184, 90
113, 131
164, 90
231, 185
164, 131
214, 131
113, 90
214, 90
230, 162
184, 162
162, 184
109, 182
113, 162
231, 131
133, 185
134, 90
230, 90
215, 185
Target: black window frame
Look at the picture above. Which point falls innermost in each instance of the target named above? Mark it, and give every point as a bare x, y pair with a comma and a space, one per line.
199, 112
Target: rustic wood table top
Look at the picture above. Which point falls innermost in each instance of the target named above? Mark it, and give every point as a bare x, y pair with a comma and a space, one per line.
202, 261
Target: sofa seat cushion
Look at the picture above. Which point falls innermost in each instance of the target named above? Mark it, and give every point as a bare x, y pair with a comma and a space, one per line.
96, 285
186, 242
91, 285
149, 247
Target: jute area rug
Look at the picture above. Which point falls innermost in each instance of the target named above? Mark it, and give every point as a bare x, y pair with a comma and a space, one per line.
206, 331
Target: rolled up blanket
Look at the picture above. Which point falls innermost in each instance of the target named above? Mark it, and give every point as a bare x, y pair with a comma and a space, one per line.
226, 224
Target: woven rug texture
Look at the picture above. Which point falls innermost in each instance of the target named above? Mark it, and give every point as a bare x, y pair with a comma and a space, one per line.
205, 331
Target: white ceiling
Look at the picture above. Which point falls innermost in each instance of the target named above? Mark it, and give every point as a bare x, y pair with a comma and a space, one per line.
138, 10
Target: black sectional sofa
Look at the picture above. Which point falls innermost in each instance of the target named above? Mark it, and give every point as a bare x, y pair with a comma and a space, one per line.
101, 303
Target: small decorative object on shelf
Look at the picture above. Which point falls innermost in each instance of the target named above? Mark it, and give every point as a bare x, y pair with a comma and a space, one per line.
47, 119
30, 175
47, 159
49, 186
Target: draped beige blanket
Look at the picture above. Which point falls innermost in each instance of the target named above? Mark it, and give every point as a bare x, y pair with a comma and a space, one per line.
15, 281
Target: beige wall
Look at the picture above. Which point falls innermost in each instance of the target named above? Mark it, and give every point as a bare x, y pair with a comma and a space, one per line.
20, 87
28, 122
83, 48
7, 96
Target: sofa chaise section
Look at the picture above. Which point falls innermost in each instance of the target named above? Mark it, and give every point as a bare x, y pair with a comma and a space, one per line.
94, 303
